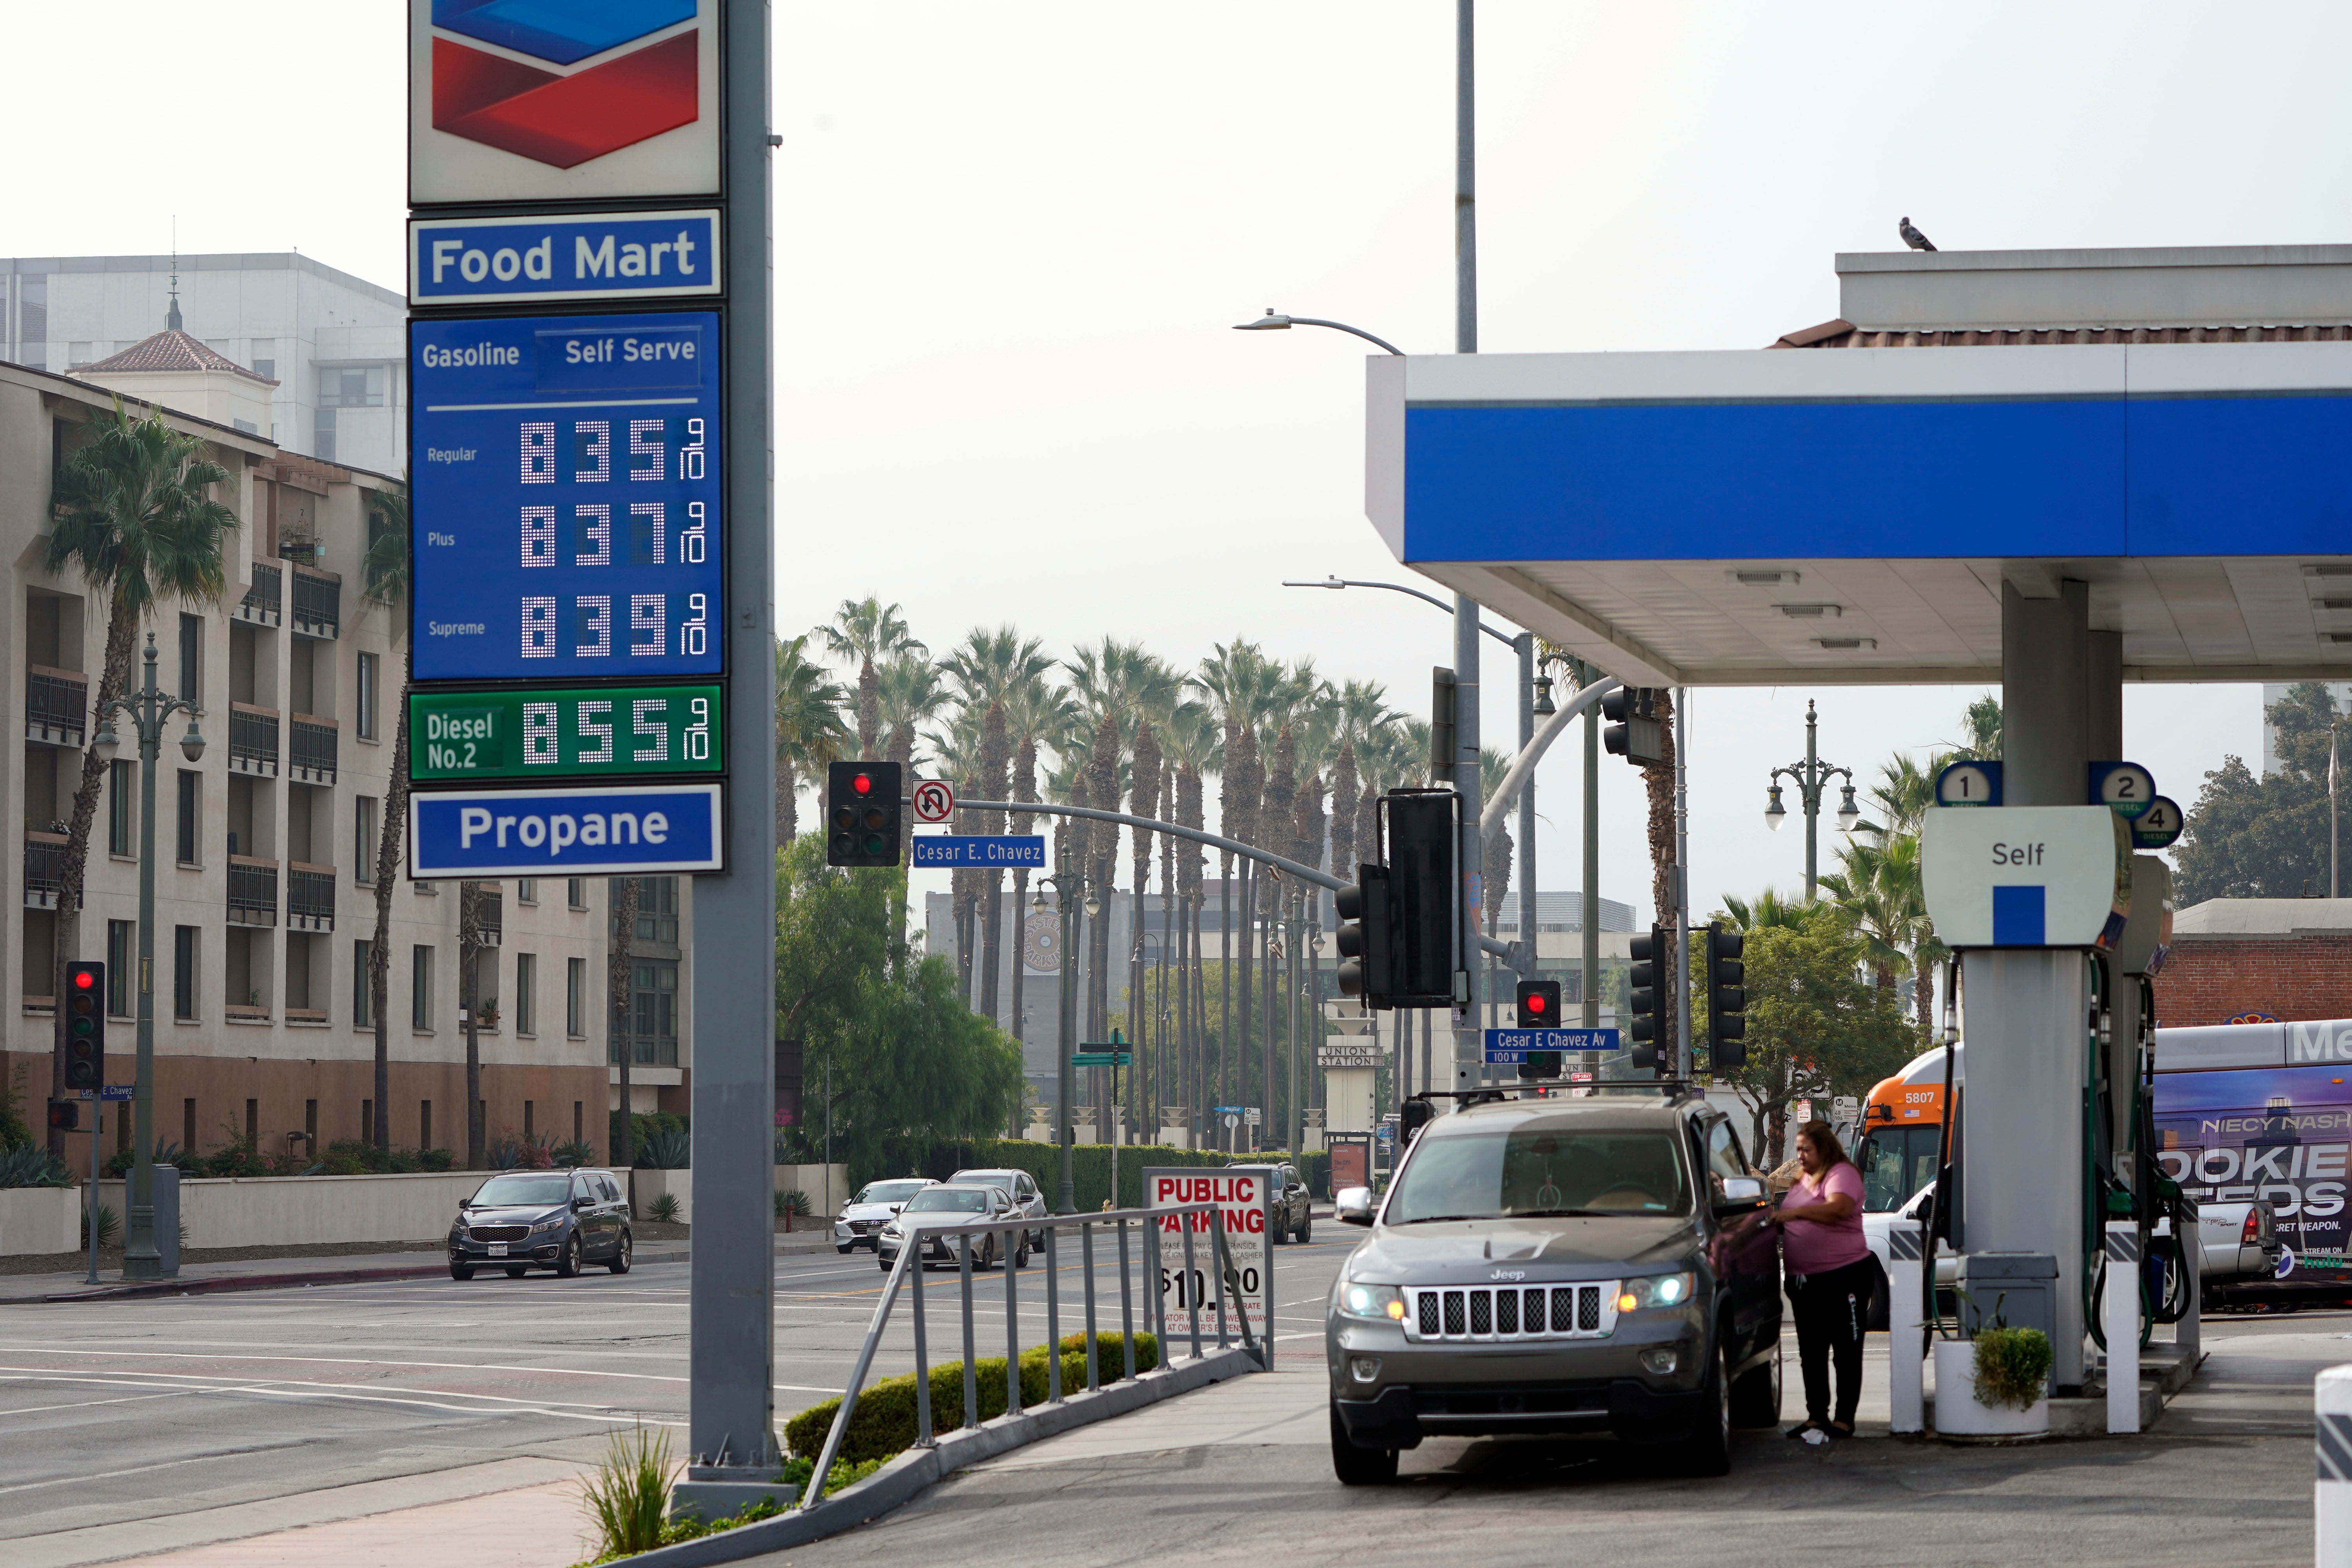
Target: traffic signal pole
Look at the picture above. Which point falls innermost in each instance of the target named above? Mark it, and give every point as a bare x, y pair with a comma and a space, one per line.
1469, 1052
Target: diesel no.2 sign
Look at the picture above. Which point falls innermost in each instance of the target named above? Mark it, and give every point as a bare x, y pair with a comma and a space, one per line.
565, 732
567, 496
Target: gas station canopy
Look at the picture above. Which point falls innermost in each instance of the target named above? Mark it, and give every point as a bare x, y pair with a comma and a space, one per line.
2170, 426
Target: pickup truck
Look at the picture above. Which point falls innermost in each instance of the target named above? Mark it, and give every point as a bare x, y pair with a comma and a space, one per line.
2238, 1245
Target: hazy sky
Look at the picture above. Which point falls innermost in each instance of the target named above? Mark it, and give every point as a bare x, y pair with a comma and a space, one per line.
1011, 237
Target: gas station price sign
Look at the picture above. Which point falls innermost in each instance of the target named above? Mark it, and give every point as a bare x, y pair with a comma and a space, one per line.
565, 732
568, 482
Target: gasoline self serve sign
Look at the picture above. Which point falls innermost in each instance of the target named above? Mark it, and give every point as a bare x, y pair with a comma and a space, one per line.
1242, 1195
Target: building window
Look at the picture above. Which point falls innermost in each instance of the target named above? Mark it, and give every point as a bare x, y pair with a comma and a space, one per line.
526, 889
369, 676
120, 936
576, 892
322, 438
351, 386
657, 909
575, 997
364, 844
184, 972
526, 1001
121, 813
265, 368
192, 656
362, 985
420, 990
192, 804
652, 1021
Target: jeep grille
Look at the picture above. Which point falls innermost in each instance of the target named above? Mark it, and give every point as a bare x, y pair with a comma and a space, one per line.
1507, 1313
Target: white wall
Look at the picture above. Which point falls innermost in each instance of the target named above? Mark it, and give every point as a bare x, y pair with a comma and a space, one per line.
35, 1220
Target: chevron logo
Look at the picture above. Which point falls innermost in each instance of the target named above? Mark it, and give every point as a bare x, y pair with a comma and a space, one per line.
563, 81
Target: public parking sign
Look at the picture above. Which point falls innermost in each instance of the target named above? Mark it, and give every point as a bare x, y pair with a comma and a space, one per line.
1245, 1195
567, 498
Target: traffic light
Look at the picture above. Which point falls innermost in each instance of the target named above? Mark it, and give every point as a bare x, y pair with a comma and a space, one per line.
1422, 828
1539, 1009
1442, 711
1413, 1116
1367, 938
861, 812
65, 1115
1634, 731
1726, 998
1653, 962
85, 1027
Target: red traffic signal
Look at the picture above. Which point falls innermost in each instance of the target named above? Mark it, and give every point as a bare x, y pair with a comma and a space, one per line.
85, 1025
65, 1115
861, 802
84, 980
1538, 1003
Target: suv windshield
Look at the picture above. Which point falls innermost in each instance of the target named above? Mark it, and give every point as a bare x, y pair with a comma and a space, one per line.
1001, 1179
942, 1200
887, 1192
1540, 1168
501, 1191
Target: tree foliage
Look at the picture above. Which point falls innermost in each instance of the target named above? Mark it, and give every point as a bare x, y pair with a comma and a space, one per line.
887, 1046
1818, 1022
2266, 838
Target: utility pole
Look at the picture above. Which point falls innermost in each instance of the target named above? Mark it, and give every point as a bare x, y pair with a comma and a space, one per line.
1681, 887
1469, 1055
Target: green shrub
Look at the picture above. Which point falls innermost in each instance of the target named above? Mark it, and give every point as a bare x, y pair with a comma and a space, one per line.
664, 1148
884, 1423
14, 1131
29, 1165
109, 1225
663, 1210
794, 1202
625, 1498
573, 1153
2013, 1366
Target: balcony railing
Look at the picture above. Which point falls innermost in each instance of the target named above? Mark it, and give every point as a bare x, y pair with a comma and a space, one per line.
300, 549
644, 1051
252, 891
57, 705
310, 750
310, 897
264, 601
45, 867
252, 740
317, 603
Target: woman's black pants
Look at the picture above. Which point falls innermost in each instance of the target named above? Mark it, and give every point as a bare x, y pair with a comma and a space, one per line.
1832, 1308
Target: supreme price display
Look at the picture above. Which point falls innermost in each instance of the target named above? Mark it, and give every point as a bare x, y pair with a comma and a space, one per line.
1243, 1195
567, 496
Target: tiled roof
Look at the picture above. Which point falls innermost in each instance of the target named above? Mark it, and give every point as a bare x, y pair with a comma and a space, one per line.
1844, 334
172, 349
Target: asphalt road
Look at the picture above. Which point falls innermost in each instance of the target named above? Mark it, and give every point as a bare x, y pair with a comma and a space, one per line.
191, 1408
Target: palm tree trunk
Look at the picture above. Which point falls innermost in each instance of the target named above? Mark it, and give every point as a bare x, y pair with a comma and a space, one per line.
469, 950
1660, 782
389, 826
1923, 996
114, 675
1020, 917
788, 807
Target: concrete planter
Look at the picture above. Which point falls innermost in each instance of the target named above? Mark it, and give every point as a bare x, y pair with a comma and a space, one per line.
827, 1187
302, 1211
1959, 1412
646, 1185
35, 1220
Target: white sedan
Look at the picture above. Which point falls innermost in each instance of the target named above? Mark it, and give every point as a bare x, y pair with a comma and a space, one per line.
861, 1219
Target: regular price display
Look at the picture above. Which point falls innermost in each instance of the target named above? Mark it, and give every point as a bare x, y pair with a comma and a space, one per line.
565, 732
567, 496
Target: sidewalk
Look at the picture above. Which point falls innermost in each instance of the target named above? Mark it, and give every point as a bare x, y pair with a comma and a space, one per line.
284, 1273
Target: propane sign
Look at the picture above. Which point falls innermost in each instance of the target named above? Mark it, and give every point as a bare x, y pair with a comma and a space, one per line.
1243, 1195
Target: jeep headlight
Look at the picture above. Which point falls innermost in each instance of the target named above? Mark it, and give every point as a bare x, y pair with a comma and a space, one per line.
1657, 1290
1382, 1303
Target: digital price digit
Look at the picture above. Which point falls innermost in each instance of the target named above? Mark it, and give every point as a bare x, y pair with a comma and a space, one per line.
698, 733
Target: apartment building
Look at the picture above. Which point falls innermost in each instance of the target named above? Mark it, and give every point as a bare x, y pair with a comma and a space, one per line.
266, 847
331, 347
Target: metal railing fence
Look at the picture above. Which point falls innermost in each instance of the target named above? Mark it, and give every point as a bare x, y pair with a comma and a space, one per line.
1007, 1229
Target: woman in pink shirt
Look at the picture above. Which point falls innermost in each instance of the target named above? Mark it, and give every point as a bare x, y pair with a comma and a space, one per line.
1829, 1273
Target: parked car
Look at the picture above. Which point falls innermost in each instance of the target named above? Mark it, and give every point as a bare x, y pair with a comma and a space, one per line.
949, 1204
1293, 1205
2239, 1245
1021, 1188
521, 1220
862, 1216
1558, 1266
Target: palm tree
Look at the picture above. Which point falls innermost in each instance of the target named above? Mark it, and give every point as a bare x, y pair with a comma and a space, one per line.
133, 512
1190, 738
864, 631
1114, 684
1770, 909
810, 732
1036, 713
384, 577
1241, 686
1982, 719
986, 669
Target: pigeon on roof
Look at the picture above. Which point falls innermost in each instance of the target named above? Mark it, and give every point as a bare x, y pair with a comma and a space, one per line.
1912, 236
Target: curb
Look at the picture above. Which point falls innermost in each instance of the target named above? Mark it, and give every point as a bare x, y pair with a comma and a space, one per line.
212, 1284
907, 1477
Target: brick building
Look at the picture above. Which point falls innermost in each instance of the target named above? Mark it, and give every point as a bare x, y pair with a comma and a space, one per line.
2286, 959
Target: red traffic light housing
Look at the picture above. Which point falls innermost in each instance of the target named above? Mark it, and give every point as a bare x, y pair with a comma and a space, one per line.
65, 1115
862, 813
85, 1027
1540, 1004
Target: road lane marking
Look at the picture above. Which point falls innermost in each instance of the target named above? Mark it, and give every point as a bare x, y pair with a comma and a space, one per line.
92, 1404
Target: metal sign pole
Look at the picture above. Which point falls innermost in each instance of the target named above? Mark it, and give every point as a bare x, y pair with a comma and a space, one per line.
732, 1312
96, 1107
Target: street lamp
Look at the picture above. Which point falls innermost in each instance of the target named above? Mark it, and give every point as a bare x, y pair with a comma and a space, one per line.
1810, 776
1271, 323
146, 708
1071, 893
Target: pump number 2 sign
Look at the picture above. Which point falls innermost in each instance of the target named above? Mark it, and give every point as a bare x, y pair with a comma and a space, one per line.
1241, 1194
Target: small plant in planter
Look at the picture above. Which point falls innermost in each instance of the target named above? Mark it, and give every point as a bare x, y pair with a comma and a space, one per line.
663, 1210
2013, 1366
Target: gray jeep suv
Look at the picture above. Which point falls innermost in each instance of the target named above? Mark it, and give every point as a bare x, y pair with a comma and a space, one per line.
1593, 1265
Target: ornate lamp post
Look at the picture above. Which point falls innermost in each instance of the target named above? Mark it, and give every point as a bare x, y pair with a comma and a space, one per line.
1810, 776
146, 708
1069, 884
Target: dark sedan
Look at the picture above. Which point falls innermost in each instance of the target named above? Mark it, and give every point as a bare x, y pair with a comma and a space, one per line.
521, 1220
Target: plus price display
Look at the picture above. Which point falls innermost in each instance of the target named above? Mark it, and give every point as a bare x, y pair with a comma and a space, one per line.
567, 498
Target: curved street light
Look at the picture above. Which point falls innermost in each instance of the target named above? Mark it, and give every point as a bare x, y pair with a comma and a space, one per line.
1271, 323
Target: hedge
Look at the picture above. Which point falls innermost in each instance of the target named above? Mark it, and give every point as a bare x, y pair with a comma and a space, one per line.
884, 1422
